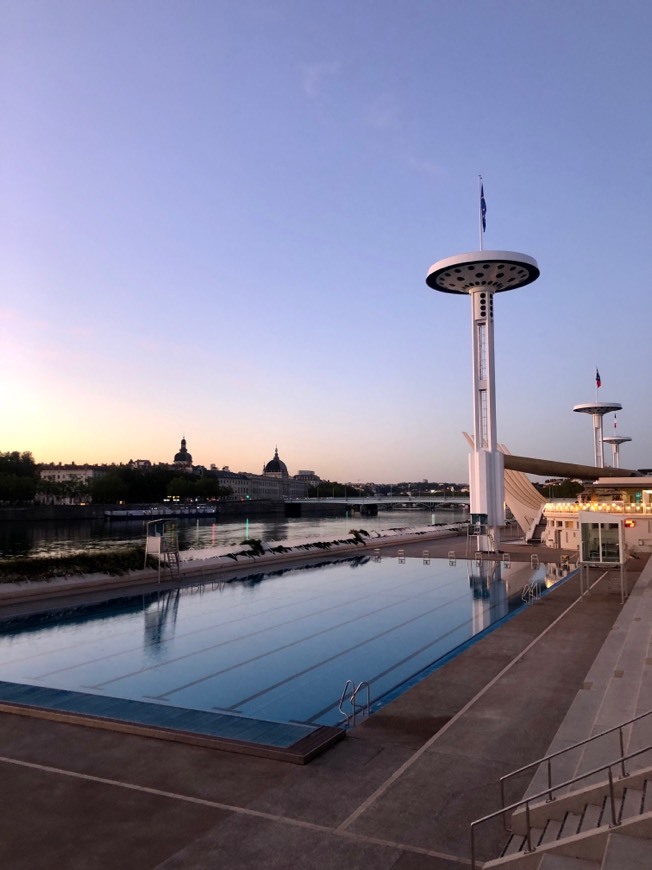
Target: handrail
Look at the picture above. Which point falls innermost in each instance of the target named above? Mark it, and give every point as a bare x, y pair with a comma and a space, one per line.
531, 592
354, 694
548, 758
532, 798
343, 698
350, 717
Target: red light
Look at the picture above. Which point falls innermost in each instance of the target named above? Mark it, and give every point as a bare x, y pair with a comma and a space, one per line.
630, 524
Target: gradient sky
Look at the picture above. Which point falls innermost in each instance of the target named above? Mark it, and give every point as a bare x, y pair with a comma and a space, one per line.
216, 219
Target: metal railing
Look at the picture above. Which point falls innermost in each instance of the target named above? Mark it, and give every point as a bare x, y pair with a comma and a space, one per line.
356, 708
531, 592
548, 792
533, 798
547, 759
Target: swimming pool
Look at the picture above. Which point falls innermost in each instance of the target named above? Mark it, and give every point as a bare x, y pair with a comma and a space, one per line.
277, 646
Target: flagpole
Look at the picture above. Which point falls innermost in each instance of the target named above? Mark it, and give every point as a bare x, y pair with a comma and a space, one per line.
480, 197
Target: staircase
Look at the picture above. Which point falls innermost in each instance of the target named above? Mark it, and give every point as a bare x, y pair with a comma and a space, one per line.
585, 830
589, 805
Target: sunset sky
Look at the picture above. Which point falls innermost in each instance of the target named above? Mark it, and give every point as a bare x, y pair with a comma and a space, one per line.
216, 219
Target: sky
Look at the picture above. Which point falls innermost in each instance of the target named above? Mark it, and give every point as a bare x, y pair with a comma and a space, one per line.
217, 216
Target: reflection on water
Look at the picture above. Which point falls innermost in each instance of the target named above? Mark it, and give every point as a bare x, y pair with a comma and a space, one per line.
160, 621
56, 537
279, 645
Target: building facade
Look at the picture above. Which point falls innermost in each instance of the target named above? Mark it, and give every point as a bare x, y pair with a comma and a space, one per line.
625, 499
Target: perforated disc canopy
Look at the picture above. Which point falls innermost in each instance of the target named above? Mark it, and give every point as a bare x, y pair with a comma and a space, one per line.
598, 407
495, 270
616, 439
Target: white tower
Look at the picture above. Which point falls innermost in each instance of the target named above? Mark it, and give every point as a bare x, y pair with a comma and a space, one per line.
615, 441
597, 410
479, 275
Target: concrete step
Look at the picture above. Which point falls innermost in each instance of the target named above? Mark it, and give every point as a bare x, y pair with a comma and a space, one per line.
592, 816
555, 861
630, 804
630, 849
617, 687
514, 845
580, 719
625, 852
550, 832
591, 804
570, 825
647, 796
621, 696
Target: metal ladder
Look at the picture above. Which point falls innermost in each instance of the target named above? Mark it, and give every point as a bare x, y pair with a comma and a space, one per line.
356, 708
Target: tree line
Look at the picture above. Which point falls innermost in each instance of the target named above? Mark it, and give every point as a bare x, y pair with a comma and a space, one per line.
20, 482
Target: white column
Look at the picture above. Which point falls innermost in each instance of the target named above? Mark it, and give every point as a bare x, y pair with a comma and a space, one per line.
486, 461
597, 440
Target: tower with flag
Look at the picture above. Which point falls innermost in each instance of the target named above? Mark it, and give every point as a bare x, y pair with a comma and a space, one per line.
480, 275
597, 410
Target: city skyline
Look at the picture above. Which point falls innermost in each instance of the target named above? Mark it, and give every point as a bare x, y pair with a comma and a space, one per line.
217, 220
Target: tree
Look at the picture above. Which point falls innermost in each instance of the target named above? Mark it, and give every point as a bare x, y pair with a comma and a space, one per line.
565, 489
17, 476
15, 488
332, 489
19, 464
109, 489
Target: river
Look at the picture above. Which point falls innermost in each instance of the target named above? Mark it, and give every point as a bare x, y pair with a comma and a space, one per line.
66, 537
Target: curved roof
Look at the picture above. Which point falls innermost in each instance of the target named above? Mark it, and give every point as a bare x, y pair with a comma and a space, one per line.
598, 407
496, 270
183, 455
552, 468
275, 465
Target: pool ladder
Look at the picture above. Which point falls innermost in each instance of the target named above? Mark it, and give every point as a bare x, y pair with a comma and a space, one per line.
531, 593
350, 694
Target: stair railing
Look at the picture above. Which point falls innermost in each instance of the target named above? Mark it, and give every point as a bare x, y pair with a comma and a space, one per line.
536, 797
547, 759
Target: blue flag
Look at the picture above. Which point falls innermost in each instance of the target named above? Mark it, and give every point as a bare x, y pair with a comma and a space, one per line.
483, 208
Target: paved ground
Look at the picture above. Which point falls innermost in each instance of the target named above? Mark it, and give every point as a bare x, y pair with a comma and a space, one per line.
399, 792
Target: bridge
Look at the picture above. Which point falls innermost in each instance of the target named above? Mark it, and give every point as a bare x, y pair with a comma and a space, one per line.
461, 501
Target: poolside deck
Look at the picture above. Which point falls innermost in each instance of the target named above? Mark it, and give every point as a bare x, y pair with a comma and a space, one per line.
282, 741
399, 792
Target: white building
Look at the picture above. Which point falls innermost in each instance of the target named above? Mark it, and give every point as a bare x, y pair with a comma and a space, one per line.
71, 482
274, 483
626, 499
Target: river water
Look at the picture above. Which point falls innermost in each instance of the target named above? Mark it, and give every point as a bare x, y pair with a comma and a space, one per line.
59, 538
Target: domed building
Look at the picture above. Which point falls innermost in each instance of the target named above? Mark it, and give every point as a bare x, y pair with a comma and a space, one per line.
183, 459
276, 467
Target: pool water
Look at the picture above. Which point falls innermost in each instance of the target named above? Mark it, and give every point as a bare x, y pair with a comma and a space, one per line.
276, 646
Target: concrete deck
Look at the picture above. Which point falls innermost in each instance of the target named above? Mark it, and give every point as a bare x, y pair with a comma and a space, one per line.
400, 791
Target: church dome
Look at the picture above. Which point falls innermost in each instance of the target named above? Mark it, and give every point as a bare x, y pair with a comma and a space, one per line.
276, 466
183, 455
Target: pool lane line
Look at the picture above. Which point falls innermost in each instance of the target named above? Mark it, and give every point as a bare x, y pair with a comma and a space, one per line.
35, 657
188, 633
398, 773
178, 591
210, 647
421, 615
372, 679
243, 811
